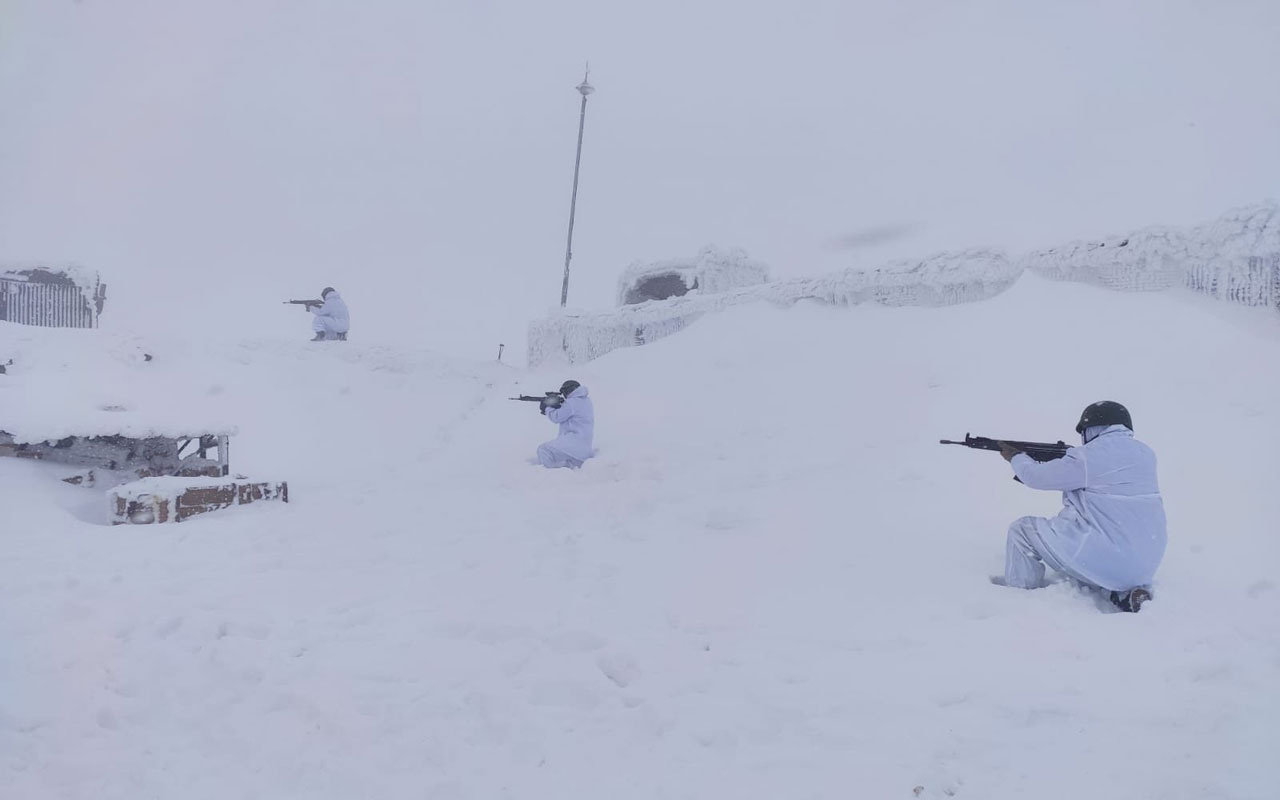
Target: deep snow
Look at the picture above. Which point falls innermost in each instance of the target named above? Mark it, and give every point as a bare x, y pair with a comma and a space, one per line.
772, 582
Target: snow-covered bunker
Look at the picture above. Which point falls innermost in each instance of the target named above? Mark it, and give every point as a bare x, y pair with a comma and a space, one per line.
713, 271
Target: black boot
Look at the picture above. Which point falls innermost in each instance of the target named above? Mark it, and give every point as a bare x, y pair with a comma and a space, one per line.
319, 336
1131, 600
342, 337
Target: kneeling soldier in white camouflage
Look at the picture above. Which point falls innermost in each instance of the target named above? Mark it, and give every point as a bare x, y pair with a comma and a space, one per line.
573, 411
1111, 530
331, 320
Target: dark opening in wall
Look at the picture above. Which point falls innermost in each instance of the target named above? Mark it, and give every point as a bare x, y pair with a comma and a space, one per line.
658, 287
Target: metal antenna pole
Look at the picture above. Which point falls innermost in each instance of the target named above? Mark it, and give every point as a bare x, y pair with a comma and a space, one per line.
584, 89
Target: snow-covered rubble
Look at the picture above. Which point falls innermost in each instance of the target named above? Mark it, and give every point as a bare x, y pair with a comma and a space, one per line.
944, 279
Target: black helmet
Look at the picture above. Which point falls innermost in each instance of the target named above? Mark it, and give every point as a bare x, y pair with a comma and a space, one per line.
326, 292
1104, 412
569, 387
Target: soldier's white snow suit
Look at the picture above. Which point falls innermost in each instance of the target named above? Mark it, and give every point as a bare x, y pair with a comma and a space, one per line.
1111, 530
577, 420
331, 317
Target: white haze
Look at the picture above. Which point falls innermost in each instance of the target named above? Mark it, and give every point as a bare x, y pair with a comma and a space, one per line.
214, 158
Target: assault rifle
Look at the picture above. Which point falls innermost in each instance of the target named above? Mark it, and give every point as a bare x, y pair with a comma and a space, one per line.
552, 399
305, 303
1040, 451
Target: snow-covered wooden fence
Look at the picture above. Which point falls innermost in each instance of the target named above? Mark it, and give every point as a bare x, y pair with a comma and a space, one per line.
51, 298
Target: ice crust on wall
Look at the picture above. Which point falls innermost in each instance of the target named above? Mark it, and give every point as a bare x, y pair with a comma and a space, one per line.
1252, 230
944, 279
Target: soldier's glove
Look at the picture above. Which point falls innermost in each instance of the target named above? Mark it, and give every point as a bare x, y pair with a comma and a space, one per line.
1008, 451
552, 401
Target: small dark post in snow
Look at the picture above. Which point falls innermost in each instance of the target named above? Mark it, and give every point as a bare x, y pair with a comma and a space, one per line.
584, 89
500, 346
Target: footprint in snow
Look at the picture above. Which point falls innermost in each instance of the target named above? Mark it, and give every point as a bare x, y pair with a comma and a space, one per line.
619, 668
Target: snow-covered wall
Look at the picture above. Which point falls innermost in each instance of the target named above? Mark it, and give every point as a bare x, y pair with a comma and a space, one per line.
1248, 280
1235, 257
1150, 260
942, 279
947, 278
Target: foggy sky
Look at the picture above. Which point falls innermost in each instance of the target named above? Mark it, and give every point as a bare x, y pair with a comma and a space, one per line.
214, 158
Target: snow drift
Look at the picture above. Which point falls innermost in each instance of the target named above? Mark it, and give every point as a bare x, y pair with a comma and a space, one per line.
772, 582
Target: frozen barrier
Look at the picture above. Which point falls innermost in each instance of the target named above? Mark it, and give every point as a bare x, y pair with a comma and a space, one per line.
1235, 258
945, 279
1250, 281
1150, 260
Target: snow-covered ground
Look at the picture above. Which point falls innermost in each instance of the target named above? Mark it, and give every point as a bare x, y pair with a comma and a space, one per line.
771, 583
